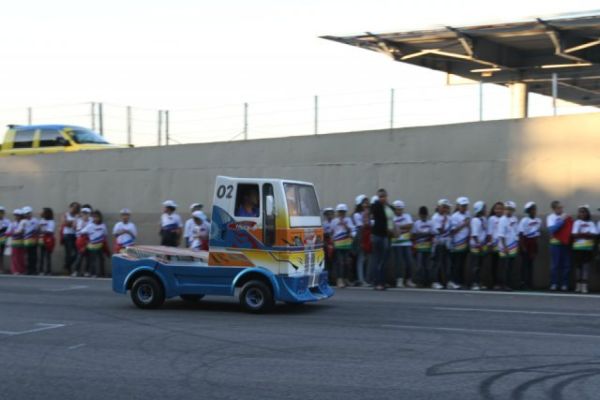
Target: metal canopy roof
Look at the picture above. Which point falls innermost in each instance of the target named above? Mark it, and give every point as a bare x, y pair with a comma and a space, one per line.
527, 52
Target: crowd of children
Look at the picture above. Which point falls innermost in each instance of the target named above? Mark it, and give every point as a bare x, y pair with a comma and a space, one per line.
84, 236
452, 248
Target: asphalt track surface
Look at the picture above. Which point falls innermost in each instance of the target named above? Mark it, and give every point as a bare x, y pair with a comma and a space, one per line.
63, 338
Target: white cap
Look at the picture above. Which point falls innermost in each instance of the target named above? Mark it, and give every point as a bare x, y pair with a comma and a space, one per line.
328, 209
199, 214
374, 199
26, 210
398, 204
341, 207
462, 201
510, 204
86, 210
444, 202
585, 206
126, 211
2, 208
528, 205
359, 199
169, 203
194, 205
478, 206
17, 211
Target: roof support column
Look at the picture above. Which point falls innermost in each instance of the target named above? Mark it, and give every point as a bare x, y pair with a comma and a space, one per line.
518, 100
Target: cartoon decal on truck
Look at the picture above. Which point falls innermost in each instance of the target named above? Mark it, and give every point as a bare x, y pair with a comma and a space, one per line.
266, 245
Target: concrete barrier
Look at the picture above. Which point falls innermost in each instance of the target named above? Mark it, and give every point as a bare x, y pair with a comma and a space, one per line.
526, 159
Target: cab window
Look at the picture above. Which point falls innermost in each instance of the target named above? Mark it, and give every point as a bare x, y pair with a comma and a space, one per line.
51, 138
23, 139
247, 201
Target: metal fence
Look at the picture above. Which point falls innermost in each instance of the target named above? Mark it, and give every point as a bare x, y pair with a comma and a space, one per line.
302, 115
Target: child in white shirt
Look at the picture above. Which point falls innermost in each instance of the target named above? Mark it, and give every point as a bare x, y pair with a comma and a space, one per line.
478, 243
584, 235
124, 231
402, 245
529, 233
508, 234
343, 232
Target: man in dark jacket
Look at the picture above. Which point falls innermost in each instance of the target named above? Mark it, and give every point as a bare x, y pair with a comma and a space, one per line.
383, 225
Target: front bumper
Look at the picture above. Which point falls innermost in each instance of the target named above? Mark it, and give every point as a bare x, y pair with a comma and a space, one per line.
303, 289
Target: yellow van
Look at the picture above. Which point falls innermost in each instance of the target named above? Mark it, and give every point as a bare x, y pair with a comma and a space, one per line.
43, 139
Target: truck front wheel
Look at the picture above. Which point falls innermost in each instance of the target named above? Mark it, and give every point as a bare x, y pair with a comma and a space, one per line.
256, 297
147, 292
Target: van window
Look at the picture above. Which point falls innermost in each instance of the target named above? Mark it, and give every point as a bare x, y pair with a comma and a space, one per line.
48, 138
23, 139
247, 201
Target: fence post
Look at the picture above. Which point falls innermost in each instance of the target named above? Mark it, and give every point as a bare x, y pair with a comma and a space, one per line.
100, 119
159, 127
29, 115
93, 110
554, 92
316, 115
392, 107
245, 121
166, 127
129, 130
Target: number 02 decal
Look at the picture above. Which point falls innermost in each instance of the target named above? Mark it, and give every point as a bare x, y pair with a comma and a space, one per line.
224, 191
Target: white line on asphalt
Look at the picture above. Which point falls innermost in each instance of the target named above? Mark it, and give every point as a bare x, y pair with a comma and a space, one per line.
42, 327
76, 346
491, 331
485, 292
526, 312
65, 289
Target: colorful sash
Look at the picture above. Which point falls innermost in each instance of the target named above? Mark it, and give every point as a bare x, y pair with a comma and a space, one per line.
583, 245
510, 251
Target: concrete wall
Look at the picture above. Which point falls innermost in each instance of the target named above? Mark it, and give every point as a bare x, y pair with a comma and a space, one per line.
527, 159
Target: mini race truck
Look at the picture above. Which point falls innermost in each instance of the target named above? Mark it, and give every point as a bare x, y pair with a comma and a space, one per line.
265, 245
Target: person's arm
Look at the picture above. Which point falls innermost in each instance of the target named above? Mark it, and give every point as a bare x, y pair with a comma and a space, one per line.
558, 223
351, 228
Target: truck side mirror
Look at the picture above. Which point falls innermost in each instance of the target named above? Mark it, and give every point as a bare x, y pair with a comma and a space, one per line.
269, 205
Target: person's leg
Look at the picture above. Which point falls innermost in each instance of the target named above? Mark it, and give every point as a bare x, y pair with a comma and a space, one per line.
476, 270
585, 270
360, 267
2, 248
510, 262
407, 262
396, 252
101, 273
339, 267
555, 254
48, 262
566, 266
378, 260
434, 267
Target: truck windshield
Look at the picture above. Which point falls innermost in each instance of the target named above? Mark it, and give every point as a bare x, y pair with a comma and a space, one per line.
85, 136
301, 200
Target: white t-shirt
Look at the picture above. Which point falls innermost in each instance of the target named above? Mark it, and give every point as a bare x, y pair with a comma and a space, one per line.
461, 237
492, 227
441, 226
170, 222
423, 227
530, 227
30, 229
80, 226
552, 220
357, 219
96, 232
508, 229
199, 235
328, 227
47, 226
343, 232
187, 228
70, 218
479, 231
4, 228
581, 226
405, 238
127, 238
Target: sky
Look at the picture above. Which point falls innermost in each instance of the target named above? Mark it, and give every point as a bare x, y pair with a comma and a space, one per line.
203, 59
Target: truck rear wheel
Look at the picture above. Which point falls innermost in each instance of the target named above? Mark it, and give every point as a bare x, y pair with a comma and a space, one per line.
147, 292
256, 297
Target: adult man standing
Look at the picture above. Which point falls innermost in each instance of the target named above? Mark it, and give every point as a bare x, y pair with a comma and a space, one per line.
559, 224
383, 226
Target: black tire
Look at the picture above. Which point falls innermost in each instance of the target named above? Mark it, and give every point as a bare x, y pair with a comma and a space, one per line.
256, 297
192, 298
147, 292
